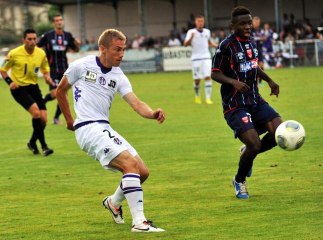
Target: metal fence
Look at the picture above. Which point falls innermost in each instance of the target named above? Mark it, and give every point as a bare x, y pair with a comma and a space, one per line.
306, 53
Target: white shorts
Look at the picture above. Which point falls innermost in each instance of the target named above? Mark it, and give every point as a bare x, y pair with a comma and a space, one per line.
102, 143
201, 68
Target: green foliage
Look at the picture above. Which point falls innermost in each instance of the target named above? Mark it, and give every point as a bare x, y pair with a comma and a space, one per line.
52, 11
192, 158
7, 37
43, 27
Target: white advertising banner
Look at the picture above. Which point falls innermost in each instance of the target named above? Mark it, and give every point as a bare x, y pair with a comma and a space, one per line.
177, 58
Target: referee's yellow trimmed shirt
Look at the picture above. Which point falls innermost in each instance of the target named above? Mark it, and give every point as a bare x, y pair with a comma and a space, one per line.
24, 66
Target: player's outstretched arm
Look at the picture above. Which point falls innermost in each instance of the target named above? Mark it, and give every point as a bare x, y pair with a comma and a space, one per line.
61, 95
48, 79
188, 41
273, 86
143, 109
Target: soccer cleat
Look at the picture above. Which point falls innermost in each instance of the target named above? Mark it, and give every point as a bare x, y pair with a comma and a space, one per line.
198, 100
56, 121
240, 189
242, 149
33, 148
115, 212
208, 101
47, 151
146, 226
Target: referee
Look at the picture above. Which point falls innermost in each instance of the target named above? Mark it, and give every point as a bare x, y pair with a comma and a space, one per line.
25, 62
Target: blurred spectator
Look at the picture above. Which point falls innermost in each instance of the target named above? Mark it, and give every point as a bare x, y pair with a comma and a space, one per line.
221, 35
173, 41
319, 32
285, 23
93, 46
267, 46
137, 41
258, 35
288, 54
148, 42
183, 34
214, 39
84, 45
191, 21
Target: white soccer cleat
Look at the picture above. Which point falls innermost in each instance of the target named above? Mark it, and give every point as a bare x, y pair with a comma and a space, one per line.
115, 212
146, 226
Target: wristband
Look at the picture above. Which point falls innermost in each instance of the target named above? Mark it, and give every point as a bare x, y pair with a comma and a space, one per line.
8, 80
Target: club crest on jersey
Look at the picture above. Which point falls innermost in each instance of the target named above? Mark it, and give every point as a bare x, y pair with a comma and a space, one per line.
90, 76
249, 53
245, 119
102, 80
240, 56
117, 141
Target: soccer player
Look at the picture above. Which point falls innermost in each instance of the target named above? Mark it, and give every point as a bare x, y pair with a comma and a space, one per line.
258, 34
25, 62
200, 40
235, 67
56, 43
95, 80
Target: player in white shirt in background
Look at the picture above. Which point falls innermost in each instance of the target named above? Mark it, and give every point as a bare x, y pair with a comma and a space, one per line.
199, 39
95, 80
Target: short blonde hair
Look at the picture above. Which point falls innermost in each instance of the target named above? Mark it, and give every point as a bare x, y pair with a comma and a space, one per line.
109, 34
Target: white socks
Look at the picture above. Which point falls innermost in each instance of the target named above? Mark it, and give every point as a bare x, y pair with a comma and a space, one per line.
132, 190
117, 197
208, 89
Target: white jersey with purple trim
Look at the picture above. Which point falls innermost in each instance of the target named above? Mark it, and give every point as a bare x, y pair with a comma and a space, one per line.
199, 43
94, 88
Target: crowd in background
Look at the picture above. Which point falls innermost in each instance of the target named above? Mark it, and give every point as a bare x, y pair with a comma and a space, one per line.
275, 45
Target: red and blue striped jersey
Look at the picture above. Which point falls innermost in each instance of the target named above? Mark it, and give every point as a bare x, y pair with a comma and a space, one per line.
238, 59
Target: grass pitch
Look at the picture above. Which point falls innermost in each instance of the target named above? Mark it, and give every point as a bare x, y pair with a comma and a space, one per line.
192, 158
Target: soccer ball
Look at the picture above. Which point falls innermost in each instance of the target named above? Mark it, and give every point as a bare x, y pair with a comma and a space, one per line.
290, 135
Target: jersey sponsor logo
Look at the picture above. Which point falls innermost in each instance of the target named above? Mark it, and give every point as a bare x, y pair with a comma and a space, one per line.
60, 48
112, 83
248, 65
90, 76
240, 56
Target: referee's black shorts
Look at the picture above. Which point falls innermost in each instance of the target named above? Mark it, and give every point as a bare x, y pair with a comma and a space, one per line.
28, 95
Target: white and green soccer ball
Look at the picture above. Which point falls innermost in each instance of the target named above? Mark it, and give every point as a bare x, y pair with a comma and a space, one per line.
290, 135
